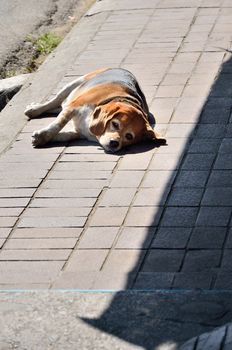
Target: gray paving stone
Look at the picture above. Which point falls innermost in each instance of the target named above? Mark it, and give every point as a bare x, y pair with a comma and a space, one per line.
220, 178
228, 340
35, 255
229, 239
98, 238
207, 238
165, 162
224, 280
215, 115
172, 238
80, 175
16, 192
213, 340
80, 166
174, 145
135, 162
86, 260
226, 146
204, 146
34, 271
153, 280
62, 202
74, 184
158, 178
127, 179
8, 221
211, 131
130, 260
201, 260
223, 87
163, 260
112, 216
67, 193
217, 196
115, 197
213, 216
13, 202
191, 178
151, 196
193, 280
226, 260
179, 216
61, 232
52, 221
180, 129
198, 162
10, 211
135, 238
4, 232
185, 197
41, 243
223, 162
143, 216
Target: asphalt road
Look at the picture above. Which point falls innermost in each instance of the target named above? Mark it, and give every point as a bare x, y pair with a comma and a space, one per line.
18, 18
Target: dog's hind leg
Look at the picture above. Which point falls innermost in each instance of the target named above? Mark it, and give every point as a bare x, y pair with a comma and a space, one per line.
36, 109
49, 133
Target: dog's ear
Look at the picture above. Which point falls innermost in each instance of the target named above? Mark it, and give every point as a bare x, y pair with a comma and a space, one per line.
100, 118
151, 134
97, 125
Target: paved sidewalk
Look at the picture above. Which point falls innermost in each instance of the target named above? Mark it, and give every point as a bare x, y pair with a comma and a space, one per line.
73, 217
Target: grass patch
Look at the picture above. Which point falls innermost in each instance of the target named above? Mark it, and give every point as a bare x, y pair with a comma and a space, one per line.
30, 54
45, 43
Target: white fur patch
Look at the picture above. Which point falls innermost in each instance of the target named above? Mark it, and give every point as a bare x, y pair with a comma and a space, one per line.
81, 121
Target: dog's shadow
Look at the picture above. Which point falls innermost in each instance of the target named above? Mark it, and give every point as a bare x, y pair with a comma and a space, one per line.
138, 148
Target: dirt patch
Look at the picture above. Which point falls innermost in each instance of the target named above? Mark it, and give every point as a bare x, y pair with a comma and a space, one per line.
26, 58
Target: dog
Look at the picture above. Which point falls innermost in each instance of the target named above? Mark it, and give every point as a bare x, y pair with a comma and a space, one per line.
107, 106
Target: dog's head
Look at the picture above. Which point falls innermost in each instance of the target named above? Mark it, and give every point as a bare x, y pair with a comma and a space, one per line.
119, 124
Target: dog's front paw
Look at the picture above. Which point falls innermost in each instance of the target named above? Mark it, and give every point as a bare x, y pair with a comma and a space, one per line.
33, 110
39, 138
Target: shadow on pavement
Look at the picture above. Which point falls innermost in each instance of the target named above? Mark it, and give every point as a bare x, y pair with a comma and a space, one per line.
148, 318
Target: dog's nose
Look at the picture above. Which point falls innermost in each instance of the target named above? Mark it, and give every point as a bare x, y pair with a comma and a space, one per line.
114, 144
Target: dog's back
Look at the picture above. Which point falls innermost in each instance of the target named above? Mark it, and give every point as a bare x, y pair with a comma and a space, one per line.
117, 76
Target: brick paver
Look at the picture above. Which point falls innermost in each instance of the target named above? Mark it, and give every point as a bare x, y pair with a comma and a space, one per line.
72, 216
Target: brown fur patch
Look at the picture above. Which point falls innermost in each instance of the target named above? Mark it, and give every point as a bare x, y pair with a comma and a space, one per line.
97, 94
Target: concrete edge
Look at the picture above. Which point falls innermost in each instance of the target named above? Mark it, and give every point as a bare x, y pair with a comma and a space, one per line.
40, 86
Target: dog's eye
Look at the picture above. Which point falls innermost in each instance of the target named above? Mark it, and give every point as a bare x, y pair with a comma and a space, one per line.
129, 136
115, 125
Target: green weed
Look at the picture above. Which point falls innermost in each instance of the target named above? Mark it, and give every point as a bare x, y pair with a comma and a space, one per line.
45, 43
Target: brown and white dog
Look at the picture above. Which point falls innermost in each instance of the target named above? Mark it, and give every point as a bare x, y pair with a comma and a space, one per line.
106, 105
